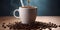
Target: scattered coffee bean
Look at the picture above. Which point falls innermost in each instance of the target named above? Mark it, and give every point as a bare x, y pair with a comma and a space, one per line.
4, 27
59, 25
3, 23
35, 25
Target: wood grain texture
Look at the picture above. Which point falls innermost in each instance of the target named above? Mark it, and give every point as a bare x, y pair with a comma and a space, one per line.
46, 19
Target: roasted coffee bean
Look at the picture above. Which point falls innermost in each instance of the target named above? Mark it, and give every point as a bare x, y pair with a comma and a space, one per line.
4, 27
35, 25
50, 29
7, 25
3, 23
59, 25
10, 27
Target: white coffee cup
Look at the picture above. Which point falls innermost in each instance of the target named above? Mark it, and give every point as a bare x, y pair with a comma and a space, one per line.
26, 15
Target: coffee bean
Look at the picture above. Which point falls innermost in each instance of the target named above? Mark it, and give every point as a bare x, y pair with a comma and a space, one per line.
59, 25
4, 27
7, 25
35, 25
3, 23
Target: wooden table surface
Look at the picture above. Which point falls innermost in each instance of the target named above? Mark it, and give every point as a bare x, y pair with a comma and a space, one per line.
46, 19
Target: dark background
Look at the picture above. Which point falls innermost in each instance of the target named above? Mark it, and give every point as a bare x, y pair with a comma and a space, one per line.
45, 7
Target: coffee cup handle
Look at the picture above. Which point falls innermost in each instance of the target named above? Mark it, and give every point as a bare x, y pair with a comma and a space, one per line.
14, 13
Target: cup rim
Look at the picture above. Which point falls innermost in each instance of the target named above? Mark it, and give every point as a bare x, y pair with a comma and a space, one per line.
30, 8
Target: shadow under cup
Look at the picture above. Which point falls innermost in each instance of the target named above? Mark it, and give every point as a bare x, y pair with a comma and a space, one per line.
27, 15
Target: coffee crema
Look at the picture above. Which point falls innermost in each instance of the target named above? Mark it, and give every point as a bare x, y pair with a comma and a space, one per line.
28, 7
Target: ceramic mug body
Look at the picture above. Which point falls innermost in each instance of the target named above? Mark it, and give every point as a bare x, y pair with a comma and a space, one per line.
27, 15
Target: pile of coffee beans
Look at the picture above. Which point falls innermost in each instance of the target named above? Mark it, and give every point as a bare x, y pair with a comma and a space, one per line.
34, 25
